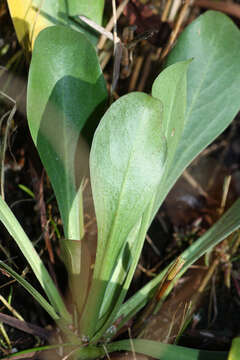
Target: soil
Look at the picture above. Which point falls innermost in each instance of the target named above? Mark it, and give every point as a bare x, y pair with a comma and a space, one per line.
187, 213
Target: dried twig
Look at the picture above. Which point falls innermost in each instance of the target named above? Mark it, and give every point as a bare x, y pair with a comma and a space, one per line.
176, 29
110, 24
153, 246
208, 275
10, 308
135, 74
117, 50
195, 184
25, 326
96, 27
145, 72
166, 10
226, 187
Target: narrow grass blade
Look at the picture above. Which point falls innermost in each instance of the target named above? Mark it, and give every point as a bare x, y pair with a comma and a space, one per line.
16, 231
161, 351
26, 190
35, 294
234, 353
20, 354
228, 223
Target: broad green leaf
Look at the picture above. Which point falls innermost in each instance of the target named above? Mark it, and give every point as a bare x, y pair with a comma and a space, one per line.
32, 16
65, 89
234, 353
32, 257
93, 9
171, 88
228, 223
213, 92
161, 351
126, 164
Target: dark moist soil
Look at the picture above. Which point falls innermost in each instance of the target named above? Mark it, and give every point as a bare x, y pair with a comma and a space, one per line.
184, 216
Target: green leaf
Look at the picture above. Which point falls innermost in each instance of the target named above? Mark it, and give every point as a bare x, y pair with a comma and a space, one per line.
171, 88
93, 9
213, 99
65, 89
228, 223
26, 190
126, 164
123, 274
234, 353
213, 92
164, 351
25, 245
35, 15
82, 352
35, 294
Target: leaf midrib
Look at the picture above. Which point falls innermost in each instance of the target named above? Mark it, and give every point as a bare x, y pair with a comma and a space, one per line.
112, 231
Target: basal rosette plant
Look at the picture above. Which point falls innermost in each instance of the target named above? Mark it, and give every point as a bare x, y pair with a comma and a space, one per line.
141, 146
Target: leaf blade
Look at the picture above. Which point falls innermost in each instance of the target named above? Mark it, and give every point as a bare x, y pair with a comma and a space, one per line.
16, 231
35, 15
58, 108
213, 94
161, 351
133, 174
171, 88
34, 293
126, 164
227, 224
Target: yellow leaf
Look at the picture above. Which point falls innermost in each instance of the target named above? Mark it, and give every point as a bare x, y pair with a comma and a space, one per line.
28, 20
234, 353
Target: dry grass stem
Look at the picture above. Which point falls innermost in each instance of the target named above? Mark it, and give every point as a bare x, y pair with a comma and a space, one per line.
96, 27
166, 10
153, 246
145, 73
135, 73
11, 309
195, 185
226, 187
174, 10
176, 29
208, 275
110, 24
